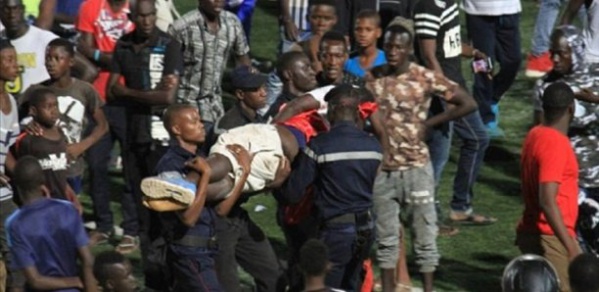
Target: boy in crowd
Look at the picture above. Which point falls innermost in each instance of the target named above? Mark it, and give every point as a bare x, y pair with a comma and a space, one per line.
367, 31
9, 131
114, 272
407, 178
77, 100
46, 236
190, 233
50, 148
314, 264
583, 271
550, 185
341, 165
323, 17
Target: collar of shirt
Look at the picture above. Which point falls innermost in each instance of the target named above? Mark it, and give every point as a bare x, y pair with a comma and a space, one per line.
128, 39
343, 124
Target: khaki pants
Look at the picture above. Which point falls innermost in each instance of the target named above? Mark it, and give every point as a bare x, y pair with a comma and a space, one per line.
3, 276
549, 247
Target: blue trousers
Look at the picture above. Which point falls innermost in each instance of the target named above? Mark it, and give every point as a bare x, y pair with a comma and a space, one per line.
192, 269
475, 141
499, 38
98, 157
244, 12
347, 251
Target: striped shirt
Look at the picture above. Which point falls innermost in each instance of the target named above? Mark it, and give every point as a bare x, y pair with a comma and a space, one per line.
492, 7
440, 20
205, 57
298, 11
9, 131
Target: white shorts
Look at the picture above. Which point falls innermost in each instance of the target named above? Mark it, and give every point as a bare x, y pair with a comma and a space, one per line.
260, 139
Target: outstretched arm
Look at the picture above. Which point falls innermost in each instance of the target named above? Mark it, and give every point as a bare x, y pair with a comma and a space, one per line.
378, 126
38, 281
571, 10
87, 265
297, 106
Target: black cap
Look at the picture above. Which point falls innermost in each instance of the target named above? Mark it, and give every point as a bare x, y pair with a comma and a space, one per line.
246, 77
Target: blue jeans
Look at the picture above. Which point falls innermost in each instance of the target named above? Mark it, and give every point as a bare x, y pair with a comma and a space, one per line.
98, 158
244, 12
548, 13
192, 269
499, 38
475, 141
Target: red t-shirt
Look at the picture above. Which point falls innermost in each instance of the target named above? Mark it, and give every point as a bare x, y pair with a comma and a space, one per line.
96, 17
548, 157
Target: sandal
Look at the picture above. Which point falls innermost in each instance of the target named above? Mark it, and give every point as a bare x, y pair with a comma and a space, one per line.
98, 238
471, 218
127, 245
447, 230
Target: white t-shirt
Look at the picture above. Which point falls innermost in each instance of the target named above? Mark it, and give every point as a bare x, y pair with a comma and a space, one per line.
319, 94
492, 7
591, 33
9, 131
31, 54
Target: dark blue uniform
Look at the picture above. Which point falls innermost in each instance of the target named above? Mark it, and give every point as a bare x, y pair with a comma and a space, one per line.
190, 250
341, 165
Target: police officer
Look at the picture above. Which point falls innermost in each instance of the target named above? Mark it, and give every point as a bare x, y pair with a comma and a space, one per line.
341, 165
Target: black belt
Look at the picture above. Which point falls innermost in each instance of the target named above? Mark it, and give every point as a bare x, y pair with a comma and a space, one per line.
197, 241
359, 219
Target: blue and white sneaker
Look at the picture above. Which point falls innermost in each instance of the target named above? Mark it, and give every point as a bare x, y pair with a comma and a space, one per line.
169, 185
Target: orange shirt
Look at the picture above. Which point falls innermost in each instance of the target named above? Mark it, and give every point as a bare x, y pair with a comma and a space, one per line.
97, 18
548, 157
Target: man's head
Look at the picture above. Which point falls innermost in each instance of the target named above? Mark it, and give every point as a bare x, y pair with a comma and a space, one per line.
212, 8
343, 102
249, 86
12, 15
314, 257
333, 54
367, 30
558, 101
294, 68
583, 272
43, 107
529, 273
144, 16
28, 177
60, 55
398, 44
184, 124
9, 68
114, 272
322, 16
561, 53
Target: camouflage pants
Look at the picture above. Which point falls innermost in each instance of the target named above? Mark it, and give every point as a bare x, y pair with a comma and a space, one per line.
410, 191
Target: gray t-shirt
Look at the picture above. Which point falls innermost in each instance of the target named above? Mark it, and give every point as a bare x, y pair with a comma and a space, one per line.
76, 104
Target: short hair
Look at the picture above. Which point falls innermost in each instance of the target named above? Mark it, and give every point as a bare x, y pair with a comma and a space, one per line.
312, 3
314, 257
5, 44
171, 112
344, 100
39, 95
333, 36
370, 14
583, 272
28, 174
286, 60
556, 99
66, 45
138, 2
103, 263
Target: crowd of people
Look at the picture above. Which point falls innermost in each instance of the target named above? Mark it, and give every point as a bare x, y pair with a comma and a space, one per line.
350, 132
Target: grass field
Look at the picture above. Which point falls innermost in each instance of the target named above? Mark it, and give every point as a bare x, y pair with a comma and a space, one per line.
474, 259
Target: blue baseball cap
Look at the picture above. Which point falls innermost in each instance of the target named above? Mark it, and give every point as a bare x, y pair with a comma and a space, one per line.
246, 77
